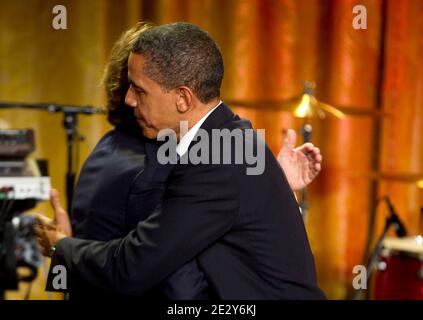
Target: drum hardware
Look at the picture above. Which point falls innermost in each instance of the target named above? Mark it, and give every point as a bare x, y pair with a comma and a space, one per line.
391, 221
381, 266
396, 222
306, 106
412, 178
403, 276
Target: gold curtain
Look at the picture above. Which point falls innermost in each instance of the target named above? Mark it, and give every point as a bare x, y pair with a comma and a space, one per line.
41, 64
270, 47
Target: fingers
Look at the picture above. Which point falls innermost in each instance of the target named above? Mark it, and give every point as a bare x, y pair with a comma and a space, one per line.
307, 147
61, 217
55, 203
314, 158
47, 236
44, 226
42, 239
312, 152
319, 158
288, 145
315, 155
290, 140
44, 221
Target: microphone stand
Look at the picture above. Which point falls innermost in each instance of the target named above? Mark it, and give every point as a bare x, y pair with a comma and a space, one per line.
306, 131
70, 124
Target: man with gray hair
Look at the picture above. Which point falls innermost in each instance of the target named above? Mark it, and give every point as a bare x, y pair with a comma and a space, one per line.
245, 231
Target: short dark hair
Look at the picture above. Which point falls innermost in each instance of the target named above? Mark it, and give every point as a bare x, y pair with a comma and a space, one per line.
181, 53
115, 80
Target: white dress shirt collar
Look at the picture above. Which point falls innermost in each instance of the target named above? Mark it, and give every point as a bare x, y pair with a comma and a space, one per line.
186, 140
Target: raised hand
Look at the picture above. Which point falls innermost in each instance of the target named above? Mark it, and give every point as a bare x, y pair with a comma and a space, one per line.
302, 164
50, 231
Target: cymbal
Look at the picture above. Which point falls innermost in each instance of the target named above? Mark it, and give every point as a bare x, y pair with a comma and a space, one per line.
290, 106
307, 106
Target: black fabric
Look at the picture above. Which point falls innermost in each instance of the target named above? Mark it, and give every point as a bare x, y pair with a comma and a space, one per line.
120, 184
245, 230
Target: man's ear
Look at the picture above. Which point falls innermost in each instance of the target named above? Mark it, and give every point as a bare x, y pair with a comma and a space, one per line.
184, 99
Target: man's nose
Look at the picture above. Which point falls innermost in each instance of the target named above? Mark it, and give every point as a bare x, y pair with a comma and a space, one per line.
129, 99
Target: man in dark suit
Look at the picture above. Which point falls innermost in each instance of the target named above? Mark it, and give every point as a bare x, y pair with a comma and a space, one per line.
245, 231
116, 189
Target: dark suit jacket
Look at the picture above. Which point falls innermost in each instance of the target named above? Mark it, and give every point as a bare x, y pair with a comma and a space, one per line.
246, 231
119, 185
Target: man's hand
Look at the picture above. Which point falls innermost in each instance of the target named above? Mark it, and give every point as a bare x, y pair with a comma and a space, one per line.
50, 231
301, 165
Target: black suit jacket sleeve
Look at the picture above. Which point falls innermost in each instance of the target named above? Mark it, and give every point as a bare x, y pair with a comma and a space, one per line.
193, 216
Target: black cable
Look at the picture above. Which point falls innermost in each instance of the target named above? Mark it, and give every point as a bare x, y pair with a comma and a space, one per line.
3, 206
7, 205
5, 214
10, 206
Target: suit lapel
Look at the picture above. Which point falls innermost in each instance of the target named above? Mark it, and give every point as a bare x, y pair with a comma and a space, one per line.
218, 117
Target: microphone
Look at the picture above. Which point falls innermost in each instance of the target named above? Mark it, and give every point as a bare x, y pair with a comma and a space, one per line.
398, 225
